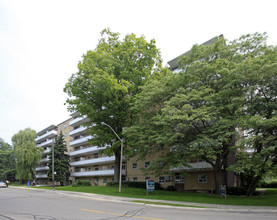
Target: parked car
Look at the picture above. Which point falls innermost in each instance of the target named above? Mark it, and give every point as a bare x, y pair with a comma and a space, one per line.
2, 184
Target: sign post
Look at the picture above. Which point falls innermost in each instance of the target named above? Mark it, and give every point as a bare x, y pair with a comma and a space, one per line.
223, 191
150, 186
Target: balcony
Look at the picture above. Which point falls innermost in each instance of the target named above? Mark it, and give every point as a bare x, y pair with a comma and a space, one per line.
93, 173
46, 143
78, 131
47, 135
78, 121
95, 161
47, 151
42, 168
80, 141
41, 176
44, 160
85, 151
193, 167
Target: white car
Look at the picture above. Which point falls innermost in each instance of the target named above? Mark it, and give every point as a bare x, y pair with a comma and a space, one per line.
2, 184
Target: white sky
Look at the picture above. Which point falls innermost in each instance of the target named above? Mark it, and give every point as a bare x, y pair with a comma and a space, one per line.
42, 41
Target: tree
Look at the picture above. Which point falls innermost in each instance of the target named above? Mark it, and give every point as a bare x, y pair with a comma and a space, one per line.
61, 161
258, 156
107, 80
198, 112
27, 154
7, 161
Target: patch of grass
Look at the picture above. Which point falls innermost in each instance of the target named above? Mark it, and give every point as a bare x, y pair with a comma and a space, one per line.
268, 199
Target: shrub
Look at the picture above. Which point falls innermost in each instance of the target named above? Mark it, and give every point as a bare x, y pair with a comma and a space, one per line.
134, 184
236, 191
81, 183
269, 184
171, 188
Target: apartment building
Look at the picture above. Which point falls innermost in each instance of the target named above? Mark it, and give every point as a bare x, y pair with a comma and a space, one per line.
45, 139
87, 161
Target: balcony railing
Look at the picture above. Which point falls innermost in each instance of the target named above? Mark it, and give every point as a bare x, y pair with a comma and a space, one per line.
44, 160
80, 141
78, 131
47, 135
93, 173
42, 168
78, 121
41, 176
193, 166
94, 161
47, 151
85, 151
46, 143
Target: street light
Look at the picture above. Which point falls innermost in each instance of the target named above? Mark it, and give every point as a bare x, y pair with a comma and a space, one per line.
121, 152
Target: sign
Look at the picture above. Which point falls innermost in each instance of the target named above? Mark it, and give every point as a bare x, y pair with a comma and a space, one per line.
223, 191
150, 185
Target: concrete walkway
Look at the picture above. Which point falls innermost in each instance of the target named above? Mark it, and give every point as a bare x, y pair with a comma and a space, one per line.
216, 207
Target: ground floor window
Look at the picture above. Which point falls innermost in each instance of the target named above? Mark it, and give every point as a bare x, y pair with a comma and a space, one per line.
104, 180
161, 179
202, 178
135, 179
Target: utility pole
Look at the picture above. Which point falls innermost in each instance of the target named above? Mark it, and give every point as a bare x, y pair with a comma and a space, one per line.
53, 175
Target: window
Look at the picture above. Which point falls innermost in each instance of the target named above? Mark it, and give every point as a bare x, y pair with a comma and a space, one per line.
135, 179
123, 166
65, 134
202, 178
95, 155
161, 179
147, 178
135, 166
112, 167
96, 167
65, 125
104, 180
89, 169
146, 164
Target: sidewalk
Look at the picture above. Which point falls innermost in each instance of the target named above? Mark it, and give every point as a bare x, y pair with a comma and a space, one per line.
216, 207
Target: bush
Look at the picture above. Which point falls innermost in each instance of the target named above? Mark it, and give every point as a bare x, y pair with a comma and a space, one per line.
141, 185
171, 188
236, 191
81, 183
269, 184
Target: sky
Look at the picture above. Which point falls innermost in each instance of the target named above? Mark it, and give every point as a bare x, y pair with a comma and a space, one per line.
42, 42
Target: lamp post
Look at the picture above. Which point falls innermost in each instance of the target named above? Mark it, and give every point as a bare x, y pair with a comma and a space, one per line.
121, 153
53, 169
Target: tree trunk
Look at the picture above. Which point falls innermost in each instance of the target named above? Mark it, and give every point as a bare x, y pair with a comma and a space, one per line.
116, 166
252, 186
217, 180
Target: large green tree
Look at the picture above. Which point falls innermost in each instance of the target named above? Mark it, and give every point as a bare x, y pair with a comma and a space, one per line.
258, 156
61, 161
198, 112
7, 161
27, 154
108, 78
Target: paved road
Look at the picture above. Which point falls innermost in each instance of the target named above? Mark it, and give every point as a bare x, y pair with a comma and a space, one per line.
25, 204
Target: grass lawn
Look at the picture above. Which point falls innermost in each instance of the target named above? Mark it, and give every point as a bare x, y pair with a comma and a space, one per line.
268, 199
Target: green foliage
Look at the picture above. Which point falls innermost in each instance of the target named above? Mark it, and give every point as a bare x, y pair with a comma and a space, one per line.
198, 113
7, 162
268, 184
238, 191
108, 78
61, 161
81, 183
27, 154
